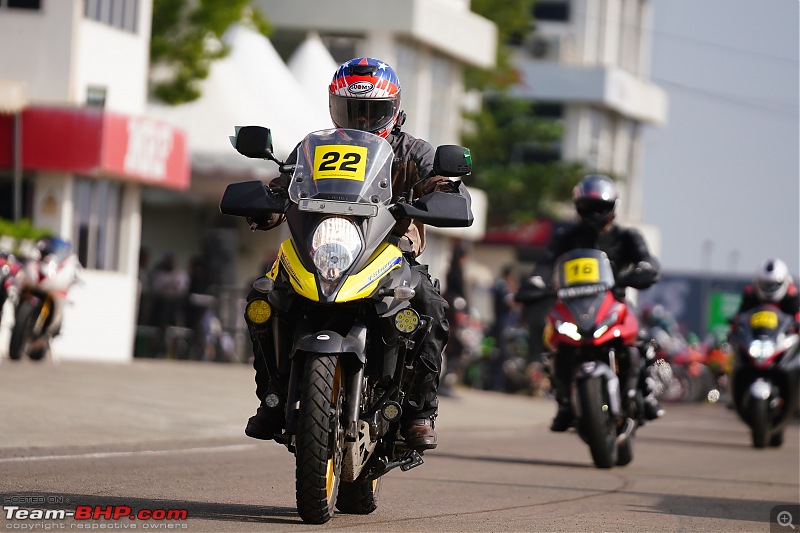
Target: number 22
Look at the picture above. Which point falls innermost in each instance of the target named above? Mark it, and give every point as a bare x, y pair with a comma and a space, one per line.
349, 160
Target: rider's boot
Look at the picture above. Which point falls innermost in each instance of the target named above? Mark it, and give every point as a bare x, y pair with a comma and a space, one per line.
417, 426
419, 433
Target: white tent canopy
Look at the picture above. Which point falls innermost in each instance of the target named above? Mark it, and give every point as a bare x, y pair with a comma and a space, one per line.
251, 86
313, 67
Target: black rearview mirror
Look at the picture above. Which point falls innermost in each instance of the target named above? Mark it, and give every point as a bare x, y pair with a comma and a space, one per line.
254, 141
452, 161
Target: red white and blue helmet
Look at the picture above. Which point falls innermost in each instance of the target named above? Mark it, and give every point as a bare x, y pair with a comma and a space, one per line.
365, 95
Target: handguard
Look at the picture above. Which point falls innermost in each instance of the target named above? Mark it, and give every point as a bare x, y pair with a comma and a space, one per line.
252, 199
440, 209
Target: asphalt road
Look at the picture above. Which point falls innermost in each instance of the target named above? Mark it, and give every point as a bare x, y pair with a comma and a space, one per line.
166, 435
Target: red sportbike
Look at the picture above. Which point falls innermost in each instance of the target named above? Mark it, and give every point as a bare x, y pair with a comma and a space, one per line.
597, 333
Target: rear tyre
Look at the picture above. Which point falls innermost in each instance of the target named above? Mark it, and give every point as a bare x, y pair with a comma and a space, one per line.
596, 423
320, 439
759, 422
358, 497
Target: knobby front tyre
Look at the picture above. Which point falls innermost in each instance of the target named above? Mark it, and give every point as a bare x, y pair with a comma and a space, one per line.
320, 439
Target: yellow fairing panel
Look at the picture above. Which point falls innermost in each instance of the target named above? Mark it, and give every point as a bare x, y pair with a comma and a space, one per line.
302, 280
360, 285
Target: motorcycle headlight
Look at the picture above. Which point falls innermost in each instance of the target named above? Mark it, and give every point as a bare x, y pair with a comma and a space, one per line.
334, 246
761, 349
569, 329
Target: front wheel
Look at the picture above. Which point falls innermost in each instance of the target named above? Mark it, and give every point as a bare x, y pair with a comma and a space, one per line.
358, 497
320, 440
596, 423
22, 333
759, 422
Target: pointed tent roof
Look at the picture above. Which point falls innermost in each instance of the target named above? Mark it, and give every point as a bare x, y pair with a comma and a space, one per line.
251, 86
314, 67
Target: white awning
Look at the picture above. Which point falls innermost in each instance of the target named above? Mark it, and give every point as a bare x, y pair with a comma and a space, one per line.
250, 87
313, 67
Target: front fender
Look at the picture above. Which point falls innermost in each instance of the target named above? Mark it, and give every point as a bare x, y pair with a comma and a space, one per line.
330, 342
760, 390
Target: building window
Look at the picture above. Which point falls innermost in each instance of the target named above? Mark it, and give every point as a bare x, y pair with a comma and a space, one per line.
122, 14
98, 205
95, 96
542, 151
22, 4
553, 11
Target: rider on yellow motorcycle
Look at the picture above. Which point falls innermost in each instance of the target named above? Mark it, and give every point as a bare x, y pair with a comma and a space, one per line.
365, 95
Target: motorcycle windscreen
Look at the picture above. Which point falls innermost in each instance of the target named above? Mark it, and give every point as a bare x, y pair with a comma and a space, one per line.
581, 278
582, 272
343, 165
767, 321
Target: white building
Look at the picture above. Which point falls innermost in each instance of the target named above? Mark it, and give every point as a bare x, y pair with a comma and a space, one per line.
88, 151
586, 63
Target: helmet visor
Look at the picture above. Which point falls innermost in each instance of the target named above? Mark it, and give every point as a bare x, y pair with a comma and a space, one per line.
362, 113
593, 208
770, 288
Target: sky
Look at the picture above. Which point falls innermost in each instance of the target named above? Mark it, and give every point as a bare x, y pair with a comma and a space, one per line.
721, 180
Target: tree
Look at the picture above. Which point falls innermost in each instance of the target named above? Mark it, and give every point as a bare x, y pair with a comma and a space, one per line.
505, 129
186, 39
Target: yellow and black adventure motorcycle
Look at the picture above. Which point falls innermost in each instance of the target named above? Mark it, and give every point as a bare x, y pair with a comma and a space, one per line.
338, 298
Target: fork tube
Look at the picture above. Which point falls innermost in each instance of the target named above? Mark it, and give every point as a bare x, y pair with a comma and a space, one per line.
354, 401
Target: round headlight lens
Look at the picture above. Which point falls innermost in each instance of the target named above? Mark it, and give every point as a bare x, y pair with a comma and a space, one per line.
334, 247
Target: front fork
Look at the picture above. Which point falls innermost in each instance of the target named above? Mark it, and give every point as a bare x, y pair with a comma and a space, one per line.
599, 370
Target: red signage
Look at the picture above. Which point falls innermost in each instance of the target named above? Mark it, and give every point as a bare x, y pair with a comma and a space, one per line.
99, 143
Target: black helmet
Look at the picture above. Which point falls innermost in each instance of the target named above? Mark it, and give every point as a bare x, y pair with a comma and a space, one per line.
595, 199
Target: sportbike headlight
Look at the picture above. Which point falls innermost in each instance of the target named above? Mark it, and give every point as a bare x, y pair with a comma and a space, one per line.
334, 247
569, 329
761, 349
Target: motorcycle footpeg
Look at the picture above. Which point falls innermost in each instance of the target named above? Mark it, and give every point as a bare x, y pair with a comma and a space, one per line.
407, 461
411, 460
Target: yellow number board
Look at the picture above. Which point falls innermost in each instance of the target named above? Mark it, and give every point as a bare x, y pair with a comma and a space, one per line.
581, 270
764, 319
342, 162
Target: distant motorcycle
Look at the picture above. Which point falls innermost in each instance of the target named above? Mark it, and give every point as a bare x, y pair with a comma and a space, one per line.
45, 281
596, 333
10, 267
766, 371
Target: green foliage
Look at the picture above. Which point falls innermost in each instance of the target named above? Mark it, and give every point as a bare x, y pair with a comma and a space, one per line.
512, 17
20, 231
186, 39
517, 191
